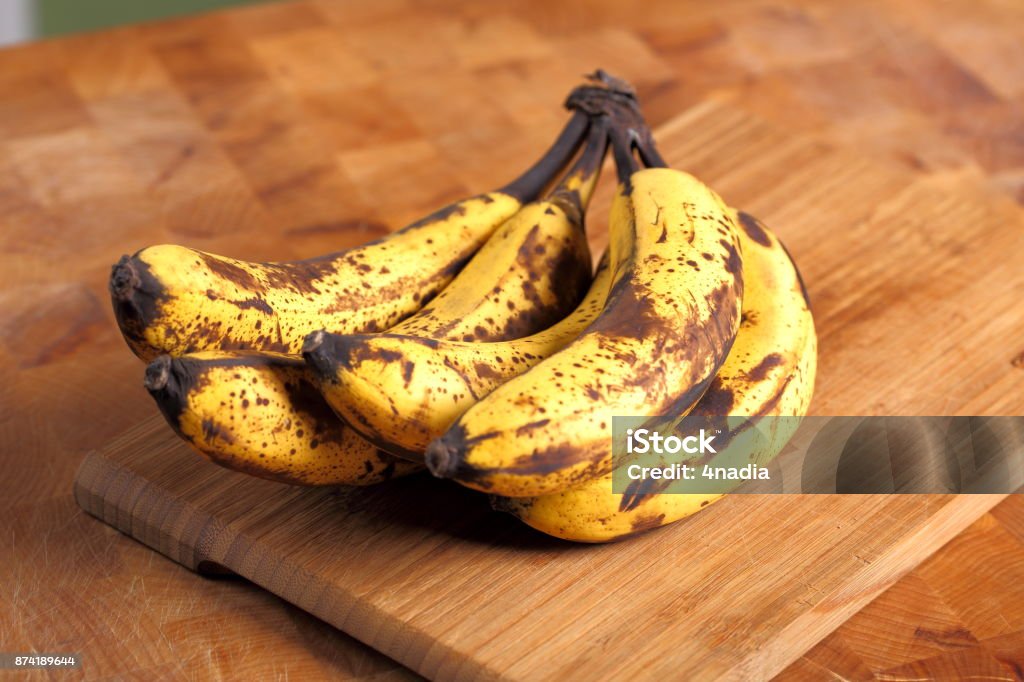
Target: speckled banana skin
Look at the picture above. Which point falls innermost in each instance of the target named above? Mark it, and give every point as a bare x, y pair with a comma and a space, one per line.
406, 390
259, 413
498, 295
173, 299
770, 371
543, 265
669, 322
401, 389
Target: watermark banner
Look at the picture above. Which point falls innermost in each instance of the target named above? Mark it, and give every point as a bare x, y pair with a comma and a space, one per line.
853, 455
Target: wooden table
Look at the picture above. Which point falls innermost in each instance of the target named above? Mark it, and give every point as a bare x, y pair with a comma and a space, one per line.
284, 130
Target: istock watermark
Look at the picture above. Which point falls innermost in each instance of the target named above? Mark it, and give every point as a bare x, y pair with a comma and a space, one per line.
847, 455
643, 441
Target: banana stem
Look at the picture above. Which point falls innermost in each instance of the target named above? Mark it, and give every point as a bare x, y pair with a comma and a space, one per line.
529, 186
617, 99
622, 149
649, 153
579, 183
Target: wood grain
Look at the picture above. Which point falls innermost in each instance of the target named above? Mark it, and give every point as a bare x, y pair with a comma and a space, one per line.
463, 594
119, 139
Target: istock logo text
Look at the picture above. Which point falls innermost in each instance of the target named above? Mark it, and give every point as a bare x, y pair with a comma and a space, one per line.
643, 441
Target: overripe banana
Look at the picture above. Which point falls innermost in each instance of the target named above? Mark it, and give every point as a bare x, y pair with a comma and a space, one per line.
670, 319
769, 372
531, 272
405, 390
396, 388
260, 414
173, 299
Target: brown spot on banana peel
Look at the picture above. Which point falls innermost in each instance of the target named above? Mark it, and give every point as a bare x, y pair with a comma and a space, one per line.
212, 431
570, 274
431, 287
253, 304
717, 400
754, 229
526, 428
226, 270
561, 457
760, 371
485, 371
303, 277
629, 313
645, 523
305, 398
732, 260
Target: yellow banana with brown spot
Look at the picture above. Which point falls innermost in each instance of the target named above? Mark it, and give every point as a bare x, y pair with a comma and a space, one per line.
526, 275
670, 319
260, 414
769, 372
401, 388
406, 390
173, 299
530, 273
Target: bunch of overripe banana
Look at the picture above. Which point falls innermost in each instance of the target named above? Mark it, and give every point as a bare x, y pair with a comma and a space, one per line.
480, 342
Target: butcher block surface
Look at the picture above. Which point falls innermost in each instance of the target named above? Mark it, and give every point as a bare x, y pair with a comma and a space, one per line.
881, 140
428, 575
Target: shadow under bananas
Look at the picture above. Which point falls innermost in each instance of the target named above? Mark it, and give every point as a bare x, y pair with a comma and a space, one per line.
442, 507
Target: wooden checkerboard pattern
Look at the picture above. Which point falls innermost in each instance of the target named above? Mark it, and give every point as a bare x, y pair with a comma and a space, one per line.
284, 130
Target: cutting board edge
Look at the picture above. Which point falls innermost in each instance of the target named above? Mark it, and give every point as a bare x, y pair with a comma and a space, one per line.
112, 493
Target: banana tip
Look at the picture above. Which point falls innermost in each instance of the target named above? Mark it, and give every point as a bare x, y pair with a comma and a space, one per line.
316, 351
158, 373
441, 459
124, 279
314, 341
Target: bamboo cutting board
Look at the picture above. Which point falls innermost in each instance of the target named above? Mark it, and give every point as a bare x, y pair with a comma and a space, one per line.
427, 574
